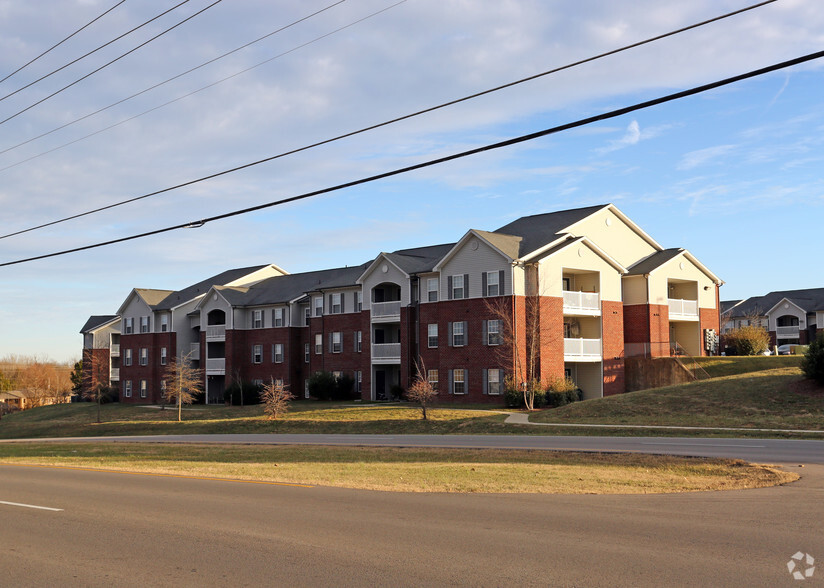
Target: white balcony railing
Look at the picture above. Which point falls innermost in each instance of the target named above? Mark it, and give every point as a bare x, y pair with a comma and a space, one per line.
386, 351
787, 332
582, 348
683, 308
216, 365
386, 310
114, 350
194, 351
589, 302
215, 332
114, 374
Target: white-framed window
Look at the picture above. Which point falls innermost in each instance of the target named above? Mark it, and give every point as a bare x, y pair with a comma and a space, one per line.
432, 378
358, 341
336, 342
278, 319
318, 343
127, 357
144, 324
127, 388
128, 325
257, 353
277, 353
307, 314
163, 356
358, 301
164, 323
459, 334
337, 304
493, 286
358, 381
459, 381
494, 382
144, 356
432, 335
318, 306
458, 287
306, 353
493, 332
257, 319
144, 388
432, 289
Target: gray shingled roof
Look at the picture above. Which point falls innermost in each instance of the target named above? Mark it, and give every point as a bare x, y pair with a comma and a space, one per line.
181, 296
538, 230
96, 321
654, 261
419, 259
810, 300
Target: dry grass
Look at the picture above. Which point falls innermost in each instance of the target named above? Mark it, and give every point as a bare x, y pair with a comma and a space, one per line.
413, 470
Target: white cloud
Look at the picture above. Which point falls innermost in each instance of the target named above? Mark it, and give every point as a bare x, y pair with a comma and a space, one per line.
702, 157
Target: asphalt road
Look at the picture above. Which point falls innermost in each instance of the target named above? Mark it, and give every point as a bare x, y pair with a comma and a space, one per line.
118, 529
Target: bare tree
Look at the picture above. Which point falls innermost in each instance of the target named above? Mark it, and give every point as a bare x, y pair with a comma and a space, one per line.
183, 382
93, 387
275, 398
43, 383
421, 390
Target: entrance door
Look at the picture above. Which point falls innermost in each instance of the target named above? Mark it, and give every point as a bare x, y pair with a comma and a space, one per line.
380, 385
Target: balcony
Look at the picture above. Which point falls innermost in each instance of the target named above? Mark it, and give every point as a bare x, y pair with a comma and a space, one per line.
114, 374
216, 366
114, 350
386, 353
791, 332
386, 312
216, 333
194, 351
683, 309
582, 349
582, 303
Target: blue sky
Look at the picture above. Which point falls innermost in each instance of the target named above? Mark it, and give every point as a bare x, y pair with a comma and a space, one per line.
733, 175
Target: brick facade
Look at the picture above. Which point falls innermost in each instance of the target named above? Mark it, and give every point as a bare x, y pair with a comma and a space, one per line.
612, 328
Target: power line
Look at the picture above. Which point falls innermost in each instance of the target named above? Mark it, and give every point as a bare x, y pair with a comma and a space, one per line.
56, 45
93, 51
116, 59
359, 131
490, 147
178, 76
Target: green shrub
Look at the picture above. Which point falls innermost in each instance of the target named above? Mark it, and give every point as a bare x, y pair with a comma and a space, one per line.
513, 397
561, 391
325, 386
813, 363
749, 340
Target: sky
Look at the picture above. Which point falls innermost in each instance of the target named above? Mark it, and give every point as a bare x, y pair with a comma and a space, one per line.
734, 175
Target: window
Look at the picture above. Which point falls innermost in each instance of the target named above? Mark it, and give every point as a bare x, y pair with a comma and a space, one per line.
358, 381
163, 388
128, 325
459, 381
277, 317
459, 334
257, 383
279, 382
493, 332
319, 306
458, 289
257, 319
164, 323
257, 354
277, 353
307, 314
336, 342
337, 305
163, 356
127, 359
493, 286
144, 356
432, 289
358, 301
144, 324
127, 388
493, 382
358, 341
318, 344
306, 353
432, 333
432, 378
144, 389
337, 375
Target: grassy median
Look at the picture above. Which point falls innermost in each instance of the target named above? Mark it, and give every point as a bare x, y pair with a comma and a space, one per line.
411, 469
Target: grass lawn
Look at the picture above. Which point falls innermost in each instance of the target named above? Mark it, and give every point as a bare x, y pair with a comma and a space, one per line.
730, 366
411, 469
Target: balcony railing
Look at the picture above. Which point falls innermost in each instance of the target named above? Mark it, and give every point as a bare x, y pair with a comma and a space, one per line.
215, 332
382, 352
589, 302
683, 308
787, 332
582, 349
386, 310
114, 374
216, 365
194, 351
114, 350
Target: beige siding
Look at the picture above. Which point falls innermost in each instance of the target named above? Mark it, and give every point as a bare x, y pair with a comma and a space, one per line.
634, 289
599, 275
618, 239
588, 377
475, 257
681, 268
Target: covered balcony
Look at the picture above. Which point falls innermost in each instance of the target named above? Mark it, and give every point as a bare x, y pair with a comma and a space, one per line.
682, 300
581, 292
385, 303
216, 326
582, 339
787, 327
383, 353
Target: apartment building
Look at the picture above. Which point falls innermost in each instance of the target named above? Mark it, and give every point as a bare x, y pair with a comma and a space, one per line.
569, 293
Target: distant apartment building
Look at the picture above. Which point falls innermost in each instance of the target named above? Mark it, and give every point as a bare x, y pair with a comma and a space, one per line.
790, 316
584, 289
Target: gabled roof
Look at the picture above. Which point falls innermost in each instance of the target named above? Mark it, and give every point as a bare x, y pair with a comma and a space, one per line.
810, 300
190, 292
419, 259
507, 246
652, 262
98, 321
538, 230
569, 240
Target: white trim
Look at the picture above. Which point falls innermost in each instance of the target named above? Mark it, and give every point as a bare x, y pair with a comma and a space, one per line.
459, 245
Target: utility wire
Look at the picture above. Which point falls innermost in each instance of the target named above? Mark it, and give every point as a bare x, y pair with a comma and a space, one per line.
116, 59
180, 75
62, 67
56, 45
490, 147
357, 132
